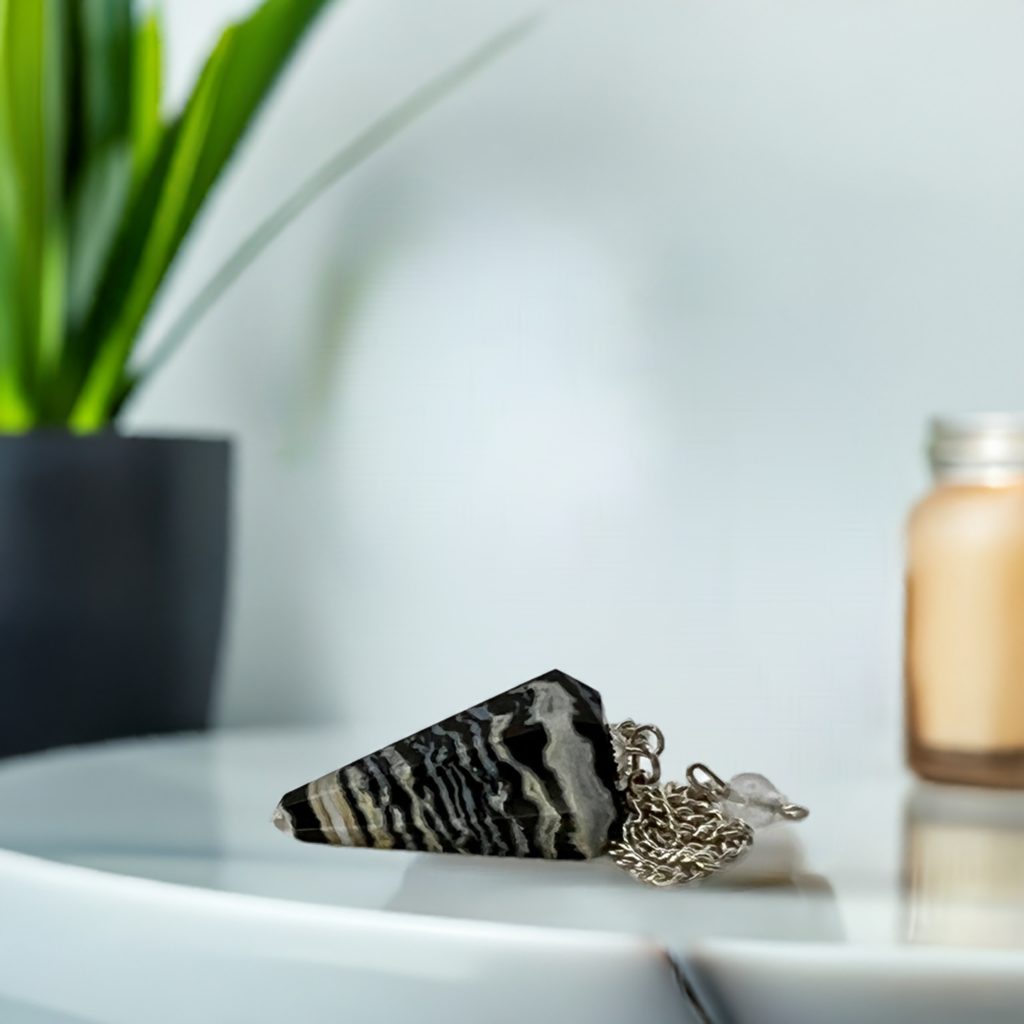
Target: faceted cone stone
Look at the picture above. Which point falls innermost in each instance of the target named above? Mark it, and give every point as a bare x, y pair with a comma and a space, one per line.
529, 773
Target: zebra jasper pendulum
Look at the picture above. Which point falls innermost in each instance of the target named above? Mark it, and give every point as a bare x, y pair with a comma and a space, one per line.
537, 772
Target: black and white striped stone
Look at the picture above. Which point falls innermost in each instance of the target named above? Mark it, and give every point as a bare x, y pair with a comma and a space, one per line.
529, 773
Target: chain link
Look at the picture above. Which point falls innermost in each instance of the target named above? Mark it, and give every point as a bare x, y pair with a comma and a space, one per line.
673, 834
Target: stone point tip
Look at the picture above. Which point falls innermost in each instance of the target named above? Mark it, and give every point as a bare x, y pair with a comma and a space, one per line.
282, 820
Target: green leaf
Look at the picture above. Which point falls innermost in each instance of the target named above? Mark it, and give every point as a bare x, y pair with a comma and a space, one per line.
159, 236
15, 411
95, 212
32, 118
236, 77
345, 160
259, 48
146, 91
98, 164
99, 84
85, 341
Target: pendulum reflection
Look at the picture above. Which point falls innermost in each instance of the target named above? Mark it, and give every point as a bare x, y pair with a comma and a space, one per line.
963, 860
769, 895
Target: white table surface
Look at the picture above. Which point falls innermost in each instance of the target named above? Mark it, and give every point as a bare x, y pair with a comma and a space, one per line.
142, 882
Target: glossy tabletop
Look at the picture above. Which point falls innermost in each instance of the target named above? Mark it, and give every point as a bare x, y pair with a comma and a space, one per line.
142, 881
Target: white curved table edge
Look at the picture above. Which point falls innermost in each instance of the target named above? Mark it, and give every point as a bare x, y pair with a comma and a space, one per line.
747, 981
118, 949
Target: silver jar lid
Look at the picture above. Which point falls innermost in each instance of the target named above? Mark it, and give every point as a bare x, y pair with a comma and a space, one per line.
987, 444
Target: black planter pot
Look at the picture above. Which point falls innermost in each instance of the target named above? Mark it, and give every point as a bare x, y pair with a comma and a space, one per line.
113, 556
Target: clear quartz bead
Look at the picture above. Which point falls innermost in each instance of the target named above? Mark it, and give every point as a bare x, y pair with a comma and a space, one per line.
752, 798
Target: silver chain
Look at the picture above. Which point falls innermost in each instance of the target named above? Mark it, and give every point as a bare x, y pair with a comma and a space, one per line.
673, 834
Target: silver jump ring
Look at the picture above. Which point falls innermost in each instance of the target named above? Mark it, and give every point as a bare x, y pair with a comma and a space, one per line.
641, 747
793, 812
652, 731
711, 784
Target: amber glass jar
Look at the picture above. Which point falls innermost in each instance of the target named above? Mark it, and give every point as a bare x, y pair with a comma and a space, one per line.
965, 606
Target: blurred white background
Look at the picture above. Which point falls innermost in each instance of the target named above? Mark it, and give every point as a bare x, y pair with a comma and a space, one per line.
618, 362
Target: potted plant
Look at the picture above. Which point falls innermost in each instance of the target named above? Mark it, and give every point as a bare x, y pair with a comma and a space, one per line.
113, 548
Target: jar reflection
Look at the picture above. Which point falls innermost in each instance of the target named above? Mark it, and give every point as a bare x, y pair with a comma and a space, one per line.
963, 860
